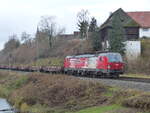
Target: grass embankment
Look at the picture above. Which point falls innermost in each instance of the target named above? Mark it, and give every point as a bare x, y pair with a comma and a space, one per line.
136, 76
43, 93
48, 62
102, 109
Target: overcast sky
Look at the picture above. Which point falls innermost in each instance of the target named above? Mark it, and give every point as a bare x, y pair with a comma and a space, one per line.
17, 16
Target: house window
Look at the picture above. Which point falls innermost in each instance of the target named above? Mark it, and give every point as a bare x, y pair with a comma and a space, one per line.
145, 29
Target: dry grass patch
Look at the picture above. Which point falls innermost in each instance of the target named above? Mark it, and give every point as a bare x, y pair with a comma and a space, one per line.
10, 82
132, 99
142, 64
141, 101
120, 95
59, 90
60, 94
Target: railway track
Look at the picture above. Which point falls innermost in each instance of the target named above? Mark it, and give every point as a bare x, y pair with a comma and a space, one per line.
145, 80
133, 79
134, 84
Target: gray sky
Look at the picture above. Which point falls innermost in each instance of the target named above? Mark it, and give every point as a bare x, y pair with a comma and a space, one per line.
17, 16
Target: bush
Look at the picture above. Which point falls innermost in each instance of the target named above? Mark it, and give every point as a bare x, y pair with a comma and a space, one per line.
141, 101
120, 95
141, 65
4, 92
10, 82
145, 46
19, 82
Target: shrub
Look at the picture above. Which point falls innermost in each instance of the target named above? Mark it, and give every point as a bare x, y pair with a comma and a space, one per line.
120, 95
19, 82
10, 82
141, 65
4, 92
24, 107
141, 101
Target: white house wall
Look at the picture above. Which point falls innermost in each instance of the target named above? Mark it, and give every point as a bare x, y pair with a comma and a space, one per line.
105, 45
145, 32
133, 49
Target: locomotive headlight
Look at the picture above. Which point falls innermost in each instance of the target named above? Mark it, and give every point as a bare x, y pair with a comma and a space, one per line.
108, 66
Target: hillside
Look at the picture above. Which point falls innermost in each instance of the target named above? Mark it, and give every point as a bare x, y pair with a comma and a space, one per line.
38, 52
25, 54
45, 93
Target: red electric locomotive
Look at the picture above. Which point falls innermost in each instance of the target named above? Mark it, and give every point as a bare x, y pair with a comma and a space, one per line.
107, 64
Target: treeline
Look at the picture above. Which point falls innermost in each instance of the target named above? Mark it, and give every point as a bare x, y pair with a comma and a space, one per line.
89, 29
29, 47
47, 41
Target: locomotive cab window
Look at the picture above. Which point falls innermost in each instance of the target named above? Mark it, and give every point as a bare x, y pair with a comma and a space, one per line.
114, 57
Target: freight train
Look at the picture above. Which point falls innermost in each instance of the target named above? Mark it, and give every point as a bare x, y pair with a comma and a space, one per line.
106, 64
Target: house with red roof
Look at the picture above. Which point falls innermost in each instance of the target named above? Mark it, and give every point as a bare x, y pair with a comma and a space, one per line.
143, 19
131, 28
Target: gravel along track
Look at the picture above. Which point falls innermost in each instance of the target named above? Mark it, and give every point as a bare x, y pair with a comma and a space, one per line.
145, 80
122, 84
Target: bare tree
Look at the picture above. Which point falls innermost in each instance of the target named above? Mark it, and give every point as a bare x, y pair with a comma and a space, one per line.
48, 26
11, 44
26, 38
83, 22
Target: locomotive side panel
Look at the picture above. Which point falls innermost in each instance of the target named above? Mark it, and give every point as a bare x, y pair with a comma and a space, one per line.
81, 63
73, 62
92, 63
102, 63
66, 63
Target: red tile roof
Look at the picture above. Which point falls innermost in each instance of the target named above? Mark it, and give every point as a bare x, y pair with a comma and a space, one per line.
142, 18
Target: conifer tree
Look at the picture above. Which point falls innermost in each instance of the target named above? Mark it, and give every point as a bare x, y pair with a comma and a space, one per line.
96, 41
93, 25
95, 35
116, 37
83, 23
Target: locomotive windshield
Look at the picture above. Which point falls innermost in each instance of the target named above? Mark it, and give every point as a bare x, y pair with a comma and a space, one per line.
114, 57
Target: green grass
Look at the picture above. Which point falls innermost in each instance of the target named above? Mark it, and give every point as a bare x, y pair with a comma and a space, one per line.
4, 91
10, 82
38, 108
111, 91
18, 82
102, 109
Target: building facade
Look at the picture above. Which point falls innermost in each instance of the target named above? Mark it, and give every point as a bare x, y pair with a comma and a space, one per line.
143, 19
129, 26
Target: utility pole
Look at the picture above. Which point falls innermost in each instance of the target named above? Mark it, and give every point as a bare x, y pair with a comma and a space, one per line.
9, 61
37, 45
37, 53
87, 34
